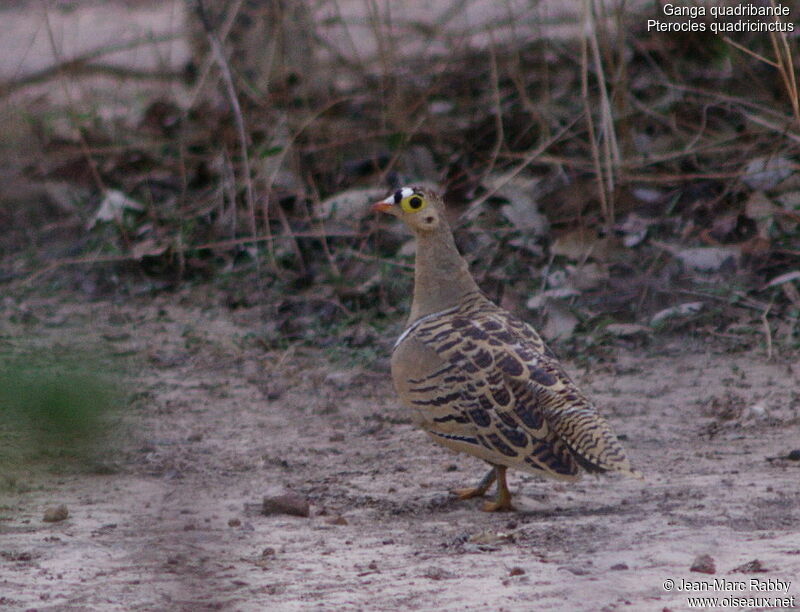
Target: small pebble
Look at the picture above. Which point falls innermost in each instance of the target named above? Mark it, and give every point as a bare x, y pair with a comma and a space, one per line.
289, 503
794, 455
619, 566
704, 564
234, 522
117, 337
438, 573
516, 571
751, 567
336, 520
274, 392
268, 552
54, 514
577, 571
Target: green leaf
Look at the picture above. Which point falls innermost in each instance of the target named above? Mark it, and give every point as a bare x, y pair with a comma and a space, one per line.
270, 151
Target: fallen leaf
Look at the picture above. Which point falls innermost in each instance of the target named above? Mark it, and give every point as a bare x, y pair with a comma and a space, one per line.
789, 201
648, 194
149, 247
561, 323
522, 211
783, 278
703, 259
582, 244
757, 245
708, 259
440, 107
765, 173
681, 310
588, 276
539, 300
760, 209
627, 330
344, 211
633, 229
112, 207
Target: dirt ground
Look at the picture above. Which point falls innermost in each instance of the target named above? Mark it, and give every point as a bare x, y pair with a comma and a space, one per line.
169, 517
213, 422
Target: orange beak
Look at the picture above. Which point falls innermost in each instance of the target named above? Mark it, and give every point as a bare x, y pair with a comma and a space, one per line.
381, 207
385, 206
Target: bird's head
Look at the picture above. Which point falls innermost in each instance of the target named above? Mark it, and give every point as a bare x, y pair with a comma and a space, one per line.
420, 209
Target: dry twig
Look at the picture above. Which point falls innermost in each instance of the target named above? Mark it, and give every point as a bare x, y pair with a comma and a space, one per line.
241, 129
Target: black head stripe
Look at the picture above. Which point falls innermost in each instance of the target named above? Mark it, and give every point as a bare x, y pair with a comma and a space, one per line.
398, 195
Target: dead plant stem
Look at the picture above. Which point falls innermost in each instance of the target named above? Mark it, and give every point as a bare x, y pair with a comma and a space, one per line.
511, 174
241, 129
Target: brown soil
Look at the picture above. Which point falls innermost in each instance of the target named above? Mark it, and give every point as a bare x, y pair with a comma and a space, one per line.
215, 423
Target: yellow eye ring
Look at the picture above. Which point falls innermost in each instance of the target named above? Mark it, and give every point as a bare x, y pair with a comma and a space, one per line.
413, 203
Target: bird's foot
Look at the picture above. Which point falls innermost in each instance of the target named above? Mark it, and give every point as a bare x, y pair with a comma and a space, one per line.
478, 491
468, 493
502, 501
499, 506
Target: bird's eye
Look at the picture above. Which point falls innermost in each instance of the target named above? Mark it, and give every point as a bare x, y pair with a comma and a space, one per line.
413, 201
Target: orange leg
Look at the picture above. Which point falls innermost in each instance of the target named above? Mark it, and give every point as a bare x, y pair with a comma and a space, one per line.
478, 491
502, 501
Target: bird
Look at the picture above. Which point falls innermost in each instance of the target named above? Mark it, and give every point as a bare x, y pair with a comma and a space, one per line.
479, 380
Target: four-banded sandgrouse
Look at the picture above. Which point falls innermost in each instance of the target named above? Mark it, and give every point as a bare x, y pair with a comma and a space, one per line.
481, 381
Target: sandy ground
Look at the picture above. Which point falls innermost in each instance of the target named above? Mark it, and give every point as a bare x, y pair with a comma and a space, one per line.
214, 423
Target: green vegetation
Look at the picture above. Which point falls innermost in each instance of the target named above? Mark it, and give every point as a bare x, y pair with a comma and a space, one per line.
55, 411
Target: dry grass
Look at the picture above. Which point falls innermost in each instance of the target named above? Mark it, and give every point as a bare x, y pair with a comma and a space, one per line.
585, 105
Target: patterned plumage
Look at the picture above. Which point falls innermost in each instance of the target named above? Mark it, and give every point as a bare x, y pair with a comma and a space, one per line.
479, 380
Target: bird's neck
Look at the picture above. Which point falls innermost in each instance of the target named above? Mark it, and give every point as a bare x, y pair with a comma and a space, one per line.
441, 276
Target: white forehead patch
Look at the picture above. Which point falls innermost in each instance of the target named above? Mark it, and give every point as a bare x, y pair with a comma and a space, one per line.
400, 194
